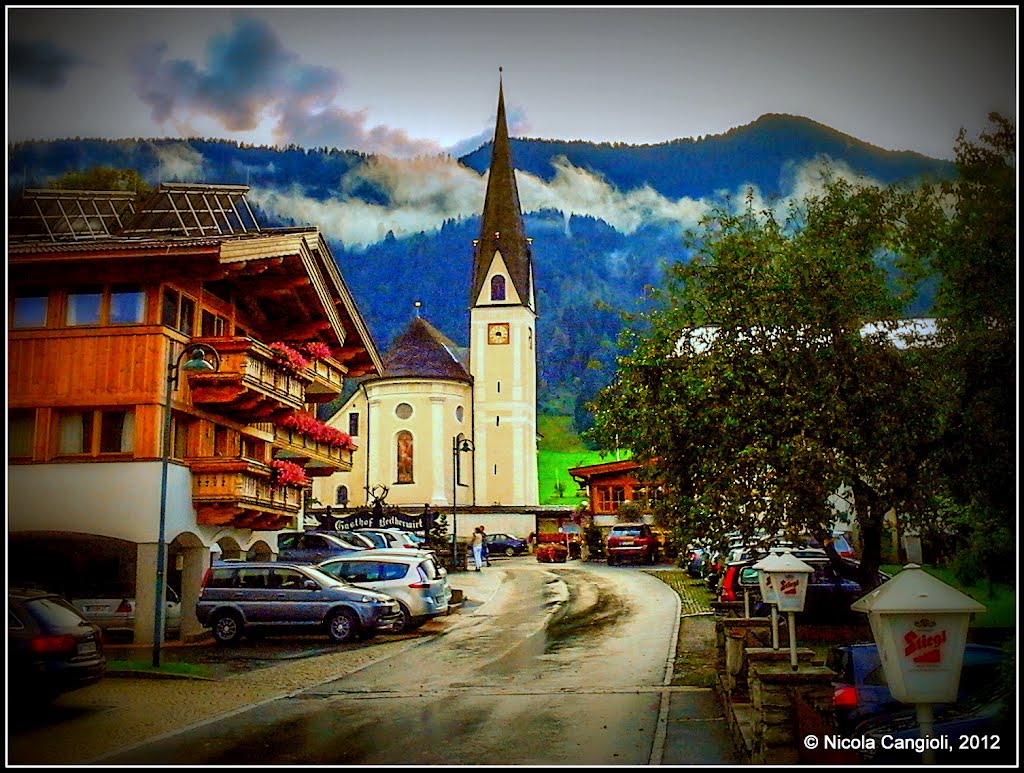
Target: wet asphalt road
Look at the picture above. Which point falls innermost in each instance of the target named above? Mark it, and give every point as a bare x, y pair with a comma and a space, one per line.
497, 690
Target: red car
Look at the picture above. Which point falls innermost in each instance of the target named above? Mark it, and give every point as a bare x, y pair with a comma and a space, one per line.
632, 542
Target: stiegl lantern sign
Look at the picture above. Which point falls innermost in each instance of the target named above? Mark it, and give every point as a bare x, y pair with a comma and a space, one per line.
920, 626
768, 594
788, 578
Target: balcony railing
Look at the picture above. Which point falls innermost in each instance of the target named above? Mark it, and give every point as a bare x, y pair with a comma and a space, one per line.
318, 457
328, 381
238, 492
250, 383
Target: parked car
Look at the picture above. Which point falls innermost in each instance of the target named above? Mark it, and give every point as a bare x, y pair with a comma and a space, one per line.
274, 597
979, 731
417, 583
635, 542
114, 613
861, 691
312, 547
832, 588
505, 544
51, 648
391, 538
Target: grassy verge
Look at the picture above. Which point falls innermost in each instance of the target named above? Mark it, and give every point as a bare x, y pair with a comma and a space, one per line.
558, 451
694, 665
170, 669
1000, 600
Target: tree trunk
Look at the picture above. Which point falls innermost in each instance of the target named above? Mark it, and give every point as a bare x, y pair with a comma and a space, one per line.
870, 515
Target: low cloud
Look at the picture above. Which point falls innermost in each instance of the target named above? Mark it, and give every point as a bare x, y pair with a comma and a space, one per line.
179, 162
423, 193
250, 77
39, 63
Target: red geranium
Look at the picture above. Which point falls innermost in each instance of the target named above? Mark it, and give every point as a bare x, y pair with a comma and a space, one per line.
287, 474
289, 357
317, 350
313, 428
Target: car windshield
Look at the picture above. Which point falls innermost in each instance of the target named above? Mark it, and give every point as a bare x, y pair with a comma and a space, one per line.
323, 578
627, 531
54, 612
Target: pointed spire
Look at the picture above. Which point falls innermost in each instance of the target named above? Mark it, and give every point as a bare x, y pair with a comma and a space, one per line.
502, 223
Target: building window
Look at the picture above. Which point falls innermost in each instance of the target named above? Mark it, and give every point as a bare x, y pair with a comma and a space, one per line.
180, 431
353, 424
74, 432
117, 432
29, 311
127, 305
405, 456
116, 305
460, 414
95, 432
221, 438
212, 325
403, 411
21, 432
84, 307
497, 287
178, 311
341, 497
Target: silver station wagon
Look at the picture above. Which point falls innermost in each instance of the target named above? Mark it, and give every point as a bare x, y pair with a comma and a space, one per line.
274, 597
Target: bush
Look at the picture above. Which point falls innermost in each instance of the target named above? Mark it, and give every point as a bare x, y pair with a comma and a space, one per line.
552, 552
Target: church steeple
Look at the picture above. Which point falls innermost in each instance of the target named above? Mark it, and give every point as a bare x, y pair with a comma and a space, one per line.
502, 227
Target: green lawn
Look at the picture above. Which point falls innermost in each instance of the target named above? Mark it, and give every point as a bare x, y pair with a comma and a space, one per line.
560, 450
1000, 601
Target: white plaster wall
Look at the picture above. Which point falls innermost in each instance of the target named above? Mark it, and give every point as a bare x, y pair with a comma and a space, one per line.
117, 499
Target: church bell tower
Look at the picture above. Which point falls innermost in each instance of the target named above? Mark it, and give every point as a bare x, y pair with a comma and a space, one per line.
503, 346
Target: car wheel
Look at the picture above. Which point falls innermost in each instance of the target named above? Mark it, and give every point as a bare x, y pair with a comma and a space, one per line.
611, 561
227, 628
510, 551
342, 626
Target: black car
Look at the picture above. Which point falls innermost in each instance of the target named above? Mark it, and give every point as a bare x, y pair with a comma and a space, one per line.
51, 648
832, 588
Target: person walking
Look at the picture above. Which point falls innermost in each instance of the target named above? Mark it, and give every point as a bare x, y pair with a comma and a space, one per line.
486, 553
476, 544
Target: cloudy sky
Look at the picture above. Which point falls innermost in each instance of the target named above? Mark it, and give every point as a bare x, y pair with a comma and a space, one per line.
409, 82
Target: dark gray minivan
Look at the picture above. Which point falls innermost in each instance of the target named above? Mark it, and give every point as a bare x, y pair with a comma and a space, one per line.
274, 597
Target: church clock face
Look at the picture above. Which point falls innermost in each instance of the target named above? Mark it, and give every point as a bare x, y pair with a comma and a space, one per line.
497, 333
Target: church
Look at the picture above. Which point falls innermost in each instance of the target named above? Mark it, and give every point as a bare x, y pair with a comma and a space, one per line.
454, 428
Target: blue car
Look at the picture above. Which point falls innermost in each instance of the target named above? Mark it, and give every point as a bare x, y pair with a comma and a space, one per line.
312, 547
860, 692
505, 544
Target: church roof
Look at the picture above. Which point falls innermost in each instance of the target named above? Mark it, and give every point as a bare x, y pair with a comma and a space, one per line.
423, 351
502, 223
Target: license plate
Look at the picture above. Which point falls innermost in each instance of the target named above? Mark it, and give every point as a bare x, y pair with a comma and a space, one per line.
95, 607
627, 542
86, 647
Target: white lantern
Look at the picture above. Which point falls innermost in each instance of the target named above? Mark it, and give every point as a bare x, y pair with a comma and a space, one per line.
920, 626
789, 577
764, 568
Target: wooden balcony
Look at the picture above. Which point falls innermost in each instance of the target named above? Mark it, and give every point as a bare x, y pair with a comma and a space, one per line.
328, 381
318, 458
251, 385
237, 492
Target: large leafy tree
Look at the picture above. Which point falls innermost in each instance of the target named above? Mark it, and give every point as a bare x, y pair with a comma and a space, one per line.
753, 389
975, 258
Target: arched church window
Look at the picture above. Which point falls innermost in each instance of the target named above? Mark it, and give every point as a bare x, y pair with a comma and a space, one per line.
497, 287
405, 456
341, 497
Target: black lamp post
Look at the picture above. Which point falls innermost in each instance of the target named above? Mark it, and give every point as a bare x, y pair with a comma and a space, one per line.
197, 362
458, 446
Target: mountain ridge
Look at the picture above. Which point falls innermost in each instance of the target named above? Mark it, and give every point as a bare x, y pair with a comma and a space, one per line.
605, 217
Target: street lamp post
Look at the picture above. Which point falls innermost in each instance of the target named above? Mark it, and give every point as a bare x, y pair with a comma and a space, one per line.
458, 446
197, 362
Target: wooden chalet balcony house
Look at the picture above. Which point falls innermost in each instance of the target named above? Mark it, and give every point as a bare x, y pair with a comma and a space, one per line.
107, 290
